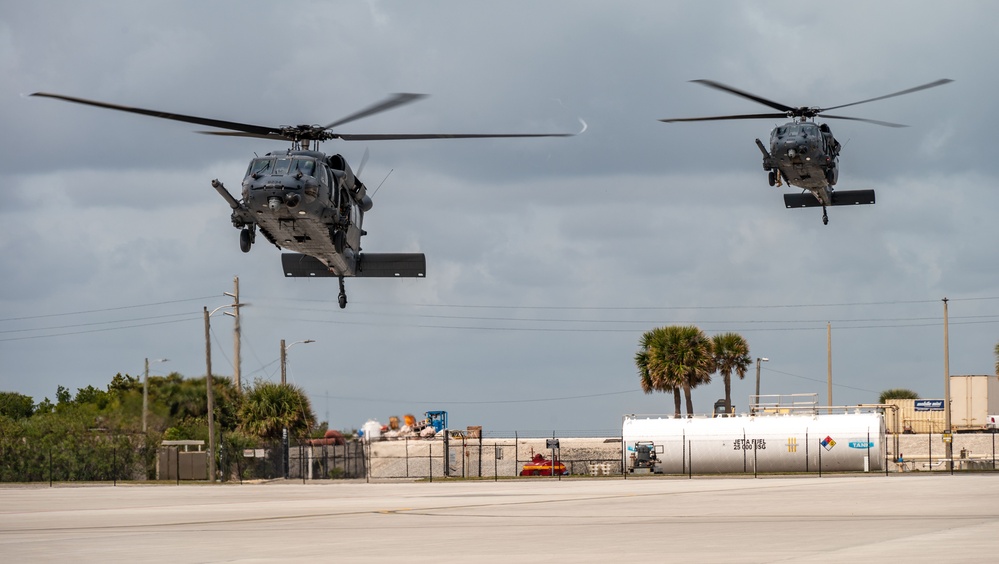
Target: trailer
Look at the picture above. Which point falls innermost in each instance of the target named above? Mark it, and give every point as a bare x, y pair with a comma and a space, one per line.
795, 442
972, 399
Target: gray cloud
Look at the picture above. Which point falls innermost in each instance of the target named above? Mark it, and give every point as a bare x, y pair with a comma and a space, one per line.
547, 258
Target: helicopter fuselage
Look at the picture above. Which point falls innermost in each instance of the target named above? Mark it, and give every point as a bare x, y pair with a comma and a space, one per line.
806, 154
306, 202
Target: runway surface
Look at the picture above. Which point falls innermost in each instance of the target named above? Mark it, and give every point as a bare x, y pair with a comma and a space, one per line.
868, 518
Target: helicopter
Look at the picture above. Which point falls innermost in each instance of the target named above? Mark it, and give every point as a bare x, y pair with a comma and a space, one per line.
804, 153
306, 201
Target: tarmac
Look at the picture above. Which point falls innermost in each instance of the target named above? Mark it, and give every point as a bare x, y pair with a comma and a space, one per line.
914, 517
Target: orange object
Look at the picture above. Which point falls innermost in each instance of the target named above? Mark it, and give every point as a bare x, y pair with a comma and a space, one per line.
541, 466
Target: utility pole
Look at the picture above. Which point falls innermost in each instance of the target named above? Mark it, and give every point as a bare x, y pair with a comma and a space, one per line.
145, 396
236, 332
284, 356
211, 400
756, 404
948, 446
829, 363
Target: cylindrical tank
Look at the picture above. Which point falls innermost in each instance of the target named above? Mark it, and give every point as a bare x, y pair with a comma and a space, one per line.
769, 443
372, 430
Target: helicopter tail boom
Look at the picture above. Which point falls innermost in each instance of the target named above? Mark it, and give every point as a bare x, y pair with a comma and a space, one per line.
369, 265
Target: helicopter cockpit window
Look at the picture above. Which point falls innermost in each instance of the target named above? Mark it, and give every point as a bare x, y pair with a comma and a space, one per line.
260, 167
306, 166
281, 167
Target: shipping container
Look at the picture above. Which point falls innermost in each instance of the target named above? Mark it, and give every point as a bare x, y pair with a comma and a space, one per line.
762, 443
906, 418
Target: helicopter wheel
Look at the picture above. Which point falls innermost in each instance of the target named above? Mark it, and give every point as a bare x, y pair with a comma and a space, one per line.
772, 177
825, 216
343, 295
245, 240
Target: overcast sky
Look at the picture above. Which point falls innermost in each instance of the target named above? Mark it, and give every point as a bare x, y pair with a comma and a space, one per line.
546, 258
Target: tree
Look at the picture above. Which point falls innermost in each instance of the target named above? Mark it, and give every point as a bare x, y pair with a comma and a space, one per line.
16, 406
652, 370
897, 393
672, 358
997, 359
268, 408
731, 354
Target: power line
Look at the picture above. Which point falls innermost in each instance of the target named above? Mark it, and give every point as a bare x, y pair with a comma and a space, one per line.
65, 314
485, 402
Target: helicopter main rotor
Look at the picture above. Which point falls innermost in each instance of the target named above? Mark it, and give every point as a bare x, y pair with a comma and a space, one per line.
302, 133
801, 112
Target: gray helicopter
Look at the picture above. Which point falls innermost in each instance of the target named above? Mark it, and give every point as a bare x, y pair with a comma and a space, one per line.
803, 153
309, 202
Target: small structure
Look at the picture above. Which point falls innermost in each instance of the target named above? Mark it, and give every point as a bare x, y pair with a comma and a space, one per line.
175, 464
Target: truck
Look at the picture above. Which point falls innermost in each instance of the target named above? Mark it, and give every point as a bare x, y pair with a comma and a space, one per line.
644, 459
800, 442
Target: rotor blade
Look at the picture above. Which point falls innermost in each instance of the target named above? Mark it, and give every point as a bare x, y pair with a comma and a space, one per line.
933, 84
719, 118
874, 121
246, 128
737, 92
387, 104
271, 136
364, 161
404, 136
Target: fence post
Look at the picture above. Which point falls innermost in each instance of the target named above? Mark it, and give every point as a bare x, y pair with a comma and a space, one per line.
820, 458
430, 462
690, 466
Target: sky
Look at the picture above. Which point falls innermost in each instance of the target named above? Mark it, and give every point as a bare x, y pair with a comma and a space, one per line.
546, 258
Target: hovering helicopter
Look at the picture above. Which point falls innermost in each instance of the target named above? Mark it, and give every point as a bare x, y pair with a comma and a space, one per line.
309, 202
804, 153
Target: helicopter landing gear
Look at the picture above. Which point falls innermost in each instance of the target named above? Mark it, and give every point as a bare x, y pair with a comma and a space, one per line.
825, 216
772, 177
246, 237
343, 295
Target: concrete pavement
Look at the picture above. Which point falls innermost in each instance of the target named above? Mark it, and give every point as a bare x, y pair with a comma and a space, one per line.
835, 518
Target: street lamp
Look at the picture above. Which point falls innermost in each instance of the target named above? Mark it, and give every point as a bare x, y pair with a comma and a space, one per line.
759, 359
210, 393
284, 357
145, 391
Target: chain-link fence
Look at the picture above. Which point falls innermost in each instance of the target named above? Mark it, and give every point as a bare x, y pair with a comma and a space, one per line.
106, 457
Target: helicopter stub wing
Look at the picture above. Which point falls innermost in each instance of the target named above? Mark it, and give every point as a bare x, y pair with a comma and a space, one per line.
840, 198
369, 265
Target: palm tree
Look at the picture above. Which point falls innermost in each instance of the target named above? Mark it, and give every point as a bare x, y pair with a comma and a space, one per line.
268, 408
673, 358
897, 393
731, 354
652, 370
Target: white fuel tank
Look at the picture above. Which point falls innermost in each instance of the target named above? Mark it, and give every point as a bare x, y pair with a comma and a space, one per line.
762, 443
